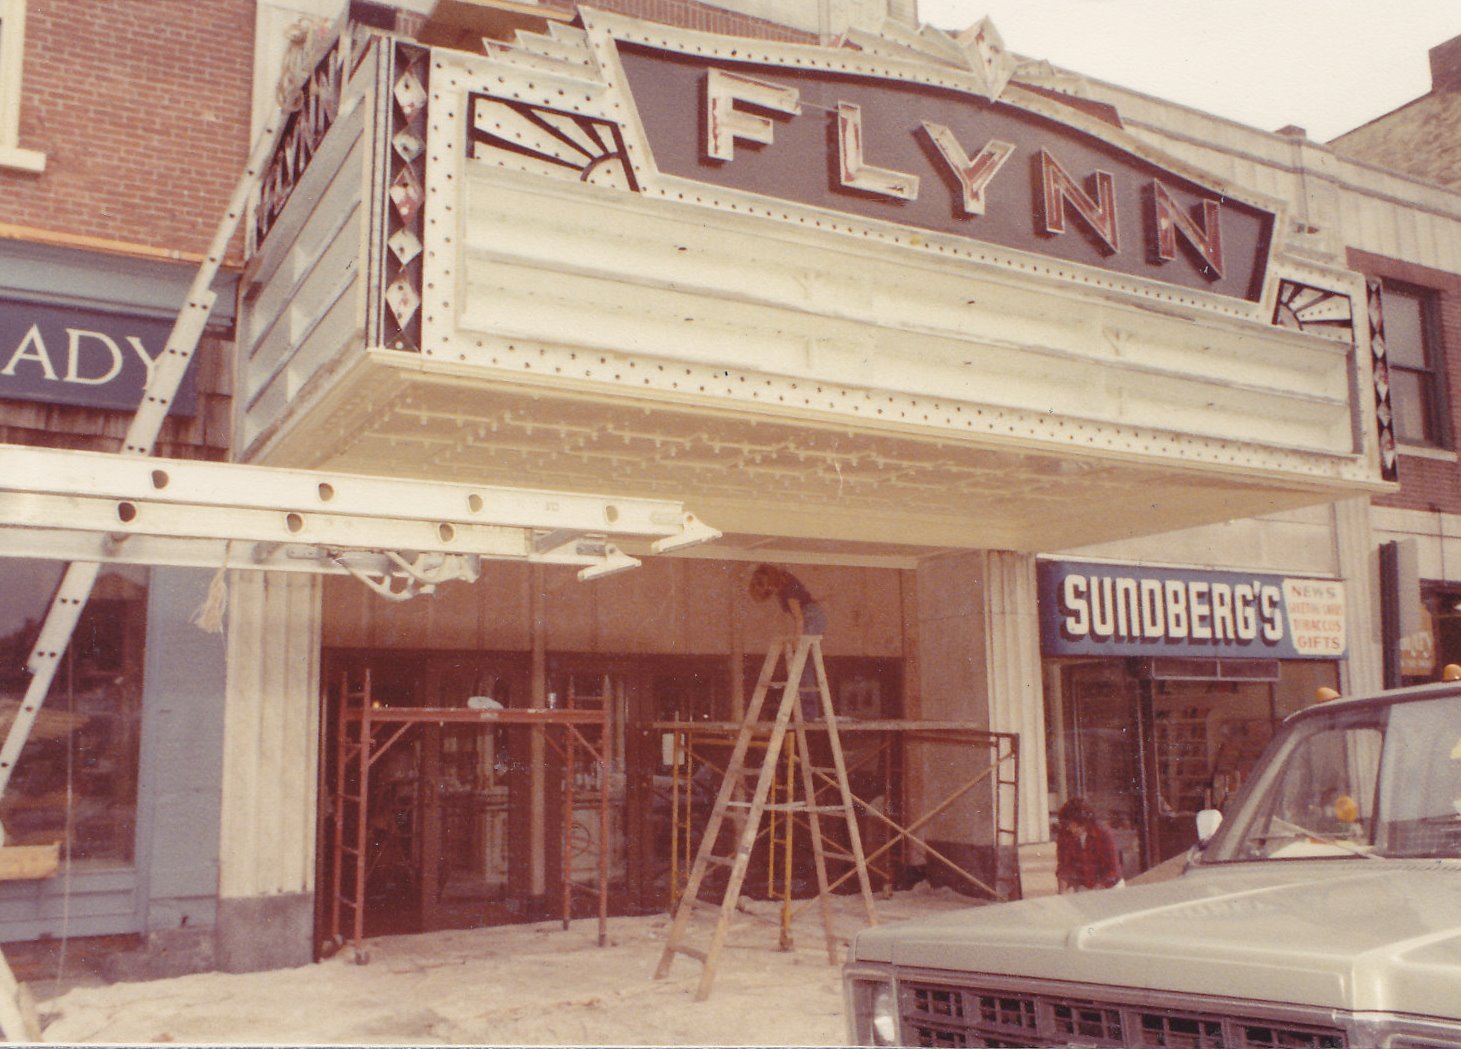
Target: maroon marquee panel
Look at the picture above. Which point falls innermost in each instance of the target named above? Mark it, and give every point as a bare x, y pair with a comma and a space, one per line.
943, 161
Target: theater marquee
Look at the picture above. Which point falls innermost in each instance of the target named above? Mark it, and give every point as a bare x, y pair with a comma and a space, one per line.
946, 161
735, 124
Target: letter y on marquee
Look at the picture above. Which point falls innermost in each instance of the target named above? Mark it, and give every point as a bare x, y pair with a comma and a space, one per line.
973, 175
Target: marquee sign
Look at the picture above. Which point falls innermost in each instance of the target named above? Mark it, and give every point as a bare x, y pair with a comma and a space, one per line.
311, 100
62, 355
1089, 609
947, 161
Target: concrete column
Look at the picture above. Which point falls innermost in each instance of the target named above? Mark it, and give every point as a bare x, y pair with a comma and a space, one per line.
1016, 695
951, 633
1355, 554
271, 743
952, 686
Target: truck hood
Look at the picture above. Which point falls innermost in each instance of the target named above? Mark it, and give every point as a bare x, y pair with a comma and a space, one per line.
1346, 934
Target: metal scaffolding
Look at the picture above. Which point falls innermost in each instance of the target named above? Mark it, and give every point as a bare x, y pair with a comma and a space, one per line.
368, 727
987, 758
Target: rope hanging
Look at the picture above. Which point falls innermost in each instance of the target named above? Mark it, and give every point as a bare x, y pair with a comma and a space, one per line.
209, 615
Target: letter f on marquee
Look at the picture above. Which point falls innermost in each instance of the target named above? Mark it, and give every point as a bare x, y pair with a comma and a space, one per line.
724, 123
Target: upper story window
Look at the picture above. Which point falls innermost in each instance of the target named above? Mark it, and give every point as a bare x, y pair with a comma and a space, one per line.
1415, 369
12, 54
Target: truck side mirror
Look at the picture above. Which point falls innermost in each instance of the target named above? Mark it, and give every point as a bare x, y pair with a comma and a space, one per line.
1208, 821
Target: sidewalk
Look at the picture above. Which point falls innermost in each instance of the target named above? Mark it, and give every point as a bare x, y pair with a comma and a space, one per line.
517, 985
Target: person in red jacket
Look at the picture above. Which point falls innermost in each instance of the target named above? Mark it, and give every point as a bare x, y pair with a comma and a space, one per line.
1086, 856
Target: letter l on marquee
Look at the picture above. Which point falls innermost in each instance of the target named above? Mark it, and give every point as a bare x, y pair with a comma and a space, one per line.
854, 172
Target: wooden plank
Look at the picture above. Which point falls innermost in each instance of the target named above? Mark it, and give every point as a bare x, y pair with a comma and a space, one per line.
35, 235
29, 862
1037, 870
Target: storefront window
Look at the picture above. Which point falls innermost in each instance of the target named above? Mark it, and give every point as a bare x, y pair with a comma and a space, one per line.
76, 780
1151, 743
1425, 654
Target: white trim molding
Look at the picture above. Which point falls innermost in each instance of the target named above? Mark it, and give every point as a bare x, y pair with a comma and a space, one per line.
12, 53
1444, 455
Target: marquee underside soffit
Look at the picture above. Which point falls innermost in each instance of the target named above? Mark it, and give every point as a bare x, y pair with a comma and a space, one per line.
769, 482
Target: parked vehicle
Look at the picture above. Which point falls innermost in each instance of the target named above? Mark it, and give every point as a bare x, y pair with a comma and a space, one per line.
1324, 911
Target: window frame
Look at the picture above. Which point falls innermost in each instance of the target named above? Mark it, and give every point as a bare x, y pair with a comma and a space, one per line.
12, 60
1433, 375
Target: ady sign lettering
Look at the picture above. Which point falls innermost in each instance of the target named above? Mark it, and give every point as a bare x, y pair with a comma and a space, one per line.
87, 357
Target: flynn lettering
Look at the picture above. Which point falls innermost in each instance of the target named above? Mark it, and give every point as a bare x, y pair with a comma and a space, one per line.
724, 122
855, 172
974, 175
319, 105
1099, 214
1205, 239
744, 109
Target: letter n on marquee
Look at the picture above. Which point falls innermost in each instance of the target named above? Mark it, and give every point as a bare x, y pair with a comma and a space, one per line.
1206, 240
1060, 189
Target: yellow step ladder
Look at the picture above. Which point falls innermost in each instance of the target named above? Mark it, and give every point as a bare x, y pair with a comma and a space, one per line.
747, 814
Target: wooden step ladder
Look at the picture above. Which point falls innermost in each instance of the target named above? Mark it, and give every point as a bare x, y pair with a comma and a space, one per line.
746, 814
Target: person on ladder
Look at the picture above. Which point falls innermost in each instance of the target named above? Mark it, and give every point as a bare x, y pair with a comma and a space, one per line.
808, 617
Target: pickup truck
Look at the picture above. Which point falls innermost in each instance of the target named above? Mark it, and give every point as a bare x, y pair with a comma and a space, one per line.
1324, 911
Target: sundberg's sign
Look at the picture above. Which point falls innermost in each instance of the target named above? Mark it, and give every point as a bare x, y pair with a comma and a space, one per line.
942, 160
62, 355
1128, 610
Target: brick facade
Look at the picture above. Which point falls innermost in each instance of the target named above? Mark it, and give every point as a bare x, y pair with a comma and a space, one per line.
1420, 137
142, 110
1432, 484
687, 14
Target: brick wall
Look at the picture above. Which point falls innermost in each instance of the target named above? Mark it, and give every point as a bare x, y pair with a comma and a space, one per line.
142, 109
1428, 483
687, 14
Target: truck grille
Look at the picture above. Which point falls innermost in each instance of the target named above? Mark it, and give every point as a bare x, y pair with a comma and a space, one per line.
944, 1015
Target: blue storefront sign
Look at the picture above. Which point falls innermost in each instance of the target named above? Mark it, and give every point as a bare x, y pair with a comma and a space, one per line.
64, 355
1091, 609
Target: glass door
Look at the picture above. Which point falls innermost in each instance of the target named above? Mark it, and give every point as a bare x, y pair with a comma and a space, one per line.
1096, 744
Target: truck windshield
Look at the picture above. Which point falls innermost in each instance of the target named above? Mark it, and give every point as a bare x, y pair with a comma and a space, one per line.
1370, 781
